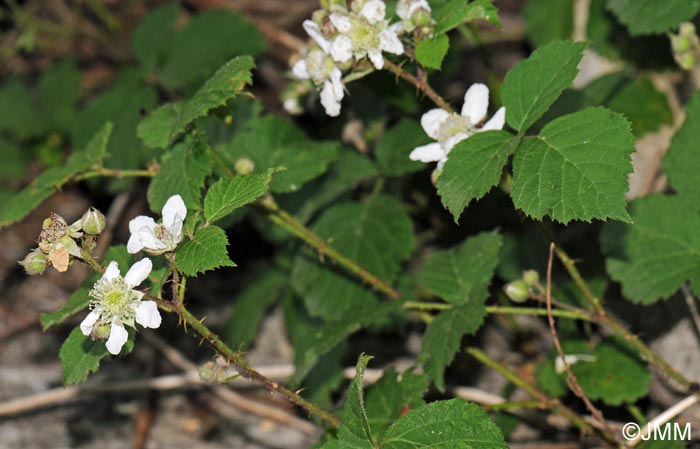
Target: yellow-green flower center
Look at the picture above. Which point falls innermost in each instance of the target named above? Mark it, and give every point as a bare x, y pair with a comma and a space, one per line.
454, 124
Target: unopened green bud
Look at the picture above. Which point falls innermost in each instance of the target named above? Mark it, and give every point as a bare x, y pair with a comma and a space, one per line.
102, 331
517, 291
531, 278
93, 221
687, 29
421, 18
687, 61
681, 43
244, 166
35, 262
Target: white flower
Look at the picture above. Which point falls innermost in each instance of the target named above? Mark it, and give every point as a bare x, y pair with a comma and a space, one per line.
363, 34
158, 238
116, 304
450, 128
318, 67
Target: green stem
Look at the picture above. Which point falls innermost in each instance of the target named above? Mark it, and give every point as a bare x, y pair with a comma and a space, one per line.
114, 173
546, 401
508, 405
420, 84
292, 225
576, 314
248, 372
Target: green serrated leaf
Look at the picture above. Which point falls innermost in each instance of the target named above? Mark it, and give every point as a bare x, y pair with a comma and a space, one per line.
530, 88
463, 273
652, 16
656, 255
272, 142
377, 234
156, 129
457, 12
443, 337
122, 104
431, 52
681, 162
396, 144
644, 106
222, 32
577, 169
154, 35
182, 172
76, 302
454, 424
475, 165
227, 195
224, 85
548, 20
206, 251
616, 376
354, 426
250, 306
52, 179
391, 396
312, 338
80, 355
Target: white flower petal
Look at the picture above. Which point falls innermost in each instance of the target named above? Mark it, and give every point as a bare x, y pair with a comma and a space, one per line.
431, 152
376, 57
89, 322
111, 272
432, 120
174, 211
476, 103
336, 80
454, 140
374, 11
497, 121
300, 71
313, 30
341, 49
330, 102
138, 272
441, 163
117, 337
134, 244
138, 223
148, 240
341, 22
389, 42
147, 314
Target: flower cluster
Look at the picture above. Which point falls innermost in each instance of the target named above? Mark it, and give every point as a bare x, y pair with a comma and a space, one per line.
450, 128
60, 244
115, 303
344, 36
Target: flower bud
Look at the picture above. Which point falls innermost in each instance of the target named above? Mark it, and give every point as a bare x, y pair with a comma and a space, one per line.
686, 61
681, 43
101, 331
517, 291
531, 278
35, 262
244, 166
421, 18
93, 221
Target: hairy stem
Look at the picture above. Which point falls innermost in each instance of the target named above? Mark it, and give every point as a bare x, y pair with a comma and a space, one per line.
293, 226
546, 401
115, 173
420, 84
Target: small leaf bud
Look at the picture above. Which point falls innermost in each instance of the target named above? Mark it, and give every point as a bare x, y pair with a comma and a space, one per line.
244, 166
517, 291
531, 278
93, 221
35, 262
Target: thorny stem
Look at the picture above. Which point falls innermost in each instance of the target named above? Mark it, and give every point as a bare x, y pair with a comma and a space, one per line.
420, 84
576, 314
553, 404
235, 358
291, 224
248, 372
